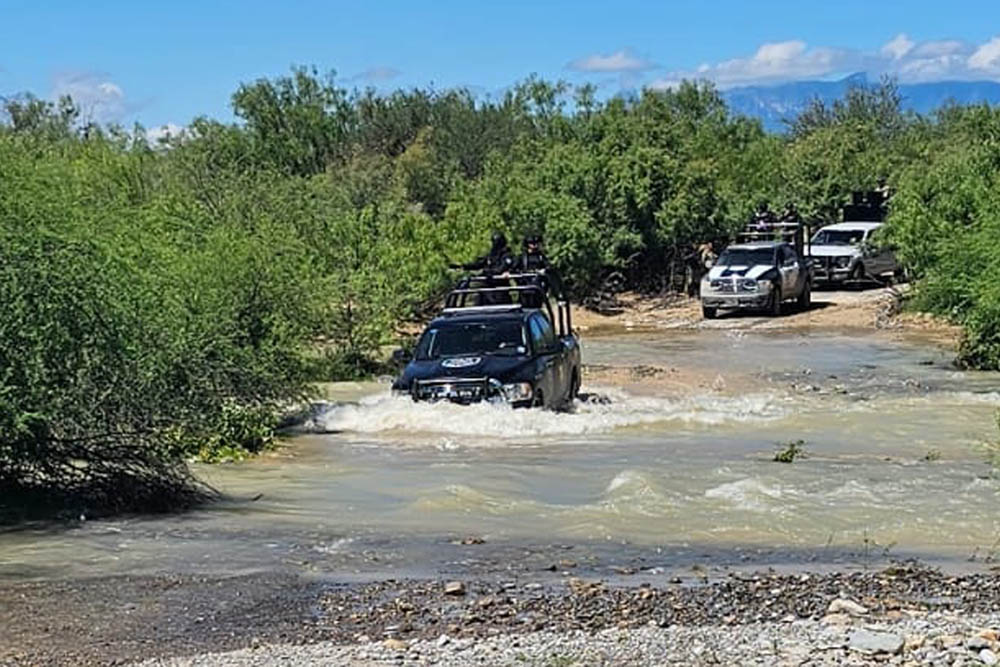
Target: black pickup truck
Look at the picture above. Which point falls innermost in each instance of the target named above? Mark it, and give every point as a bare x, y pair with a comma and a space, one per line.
506, 340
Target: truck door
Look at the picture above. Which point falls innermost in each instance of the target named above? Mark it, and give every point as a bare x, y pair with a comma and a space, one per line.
548, 354
790, 271
881, 260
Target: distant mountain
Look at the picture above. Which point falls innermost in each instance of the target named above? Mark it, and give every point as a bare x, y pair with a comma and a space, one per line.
774, 104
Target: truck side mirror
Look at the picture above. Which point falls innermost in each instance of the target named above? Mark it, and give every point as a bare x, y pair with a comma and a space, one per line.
402, 356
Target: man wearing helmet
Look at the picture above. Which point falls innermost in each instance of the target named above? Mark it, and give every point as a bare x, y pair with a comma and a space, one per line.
532, 258
498, 260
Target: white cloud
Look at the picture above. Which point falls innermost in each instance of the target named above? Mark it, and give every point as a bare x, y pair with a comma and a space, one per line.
901, 57
939, 48
619, 61
898, 47
376, 74
773, 62
157, 135
987, 57
97, 98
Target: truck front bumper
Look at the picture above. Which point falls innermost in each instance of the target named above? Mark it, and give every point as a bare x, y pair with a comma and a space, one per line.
759, 300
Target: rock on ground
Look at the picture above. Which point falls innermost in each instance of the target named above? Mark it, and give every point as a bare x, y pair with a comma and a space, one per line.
789, 643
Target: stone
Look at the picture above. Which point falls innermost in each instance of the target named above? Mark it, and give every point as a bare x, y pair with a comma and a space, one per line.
988, 635
914, 642
988, 657
844, 606
976, 643
836, 619
867, 641
395, 644
443, 640
454, 588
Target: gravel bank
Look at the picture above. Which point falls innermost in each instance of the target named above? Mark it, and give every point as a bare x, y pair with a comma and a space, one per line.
903, 614
944, 639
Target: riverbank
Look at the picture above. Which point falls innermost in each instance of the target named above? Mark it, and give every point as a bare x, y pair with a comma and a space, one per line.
903, 614
872, 311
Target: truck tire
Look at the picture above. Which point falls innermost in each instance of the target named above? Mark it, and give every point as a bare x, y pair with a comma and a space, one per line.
805, 298
774, 308
857, 274
709, 312
539, 400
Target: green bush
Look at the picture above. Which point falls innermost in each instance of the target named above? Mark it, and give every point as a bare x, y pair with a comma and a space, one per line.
162, 303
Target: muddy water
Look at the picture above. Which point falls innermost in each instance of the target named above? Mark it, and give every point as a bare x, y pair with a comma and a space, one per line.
655, 474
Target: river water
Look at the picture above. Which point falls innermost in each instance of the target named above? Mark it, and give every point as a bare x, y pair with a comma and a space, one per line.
653, 476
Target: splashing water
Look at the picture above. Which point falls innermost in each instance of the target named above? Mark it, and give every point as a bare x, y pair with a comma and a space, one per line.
390, 414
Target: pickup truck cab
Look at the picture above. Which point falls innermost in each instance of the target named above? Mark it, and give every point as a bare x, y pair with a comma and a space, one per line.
760, 275
500, 344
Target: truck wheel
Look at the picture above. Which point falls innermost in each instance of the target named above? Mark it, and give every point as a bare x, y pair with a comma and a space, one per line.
857, 274
775, 305
539, 401
709, 312
805, 299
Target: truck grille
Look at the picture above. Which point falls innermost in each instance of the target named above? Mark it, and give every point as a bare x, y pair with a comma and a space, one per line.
456, 390
727, 285
823, 267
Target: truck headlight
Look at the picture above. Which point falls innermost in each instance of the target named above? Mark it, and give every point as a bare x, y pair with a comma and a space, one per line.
748, 285
517, 391
843, 262
716, 284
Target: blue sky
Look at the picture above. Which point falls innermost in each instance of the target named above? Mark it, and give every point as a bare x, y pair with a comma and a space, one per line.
159, 63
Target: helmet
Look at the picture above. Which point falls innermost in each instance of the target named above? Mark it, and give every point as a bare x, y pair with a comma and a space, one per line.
532, 239
499, 241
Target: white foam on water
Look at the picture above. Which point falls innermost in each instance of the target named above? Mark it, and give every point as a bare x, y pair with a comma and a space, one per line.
392, 414
634, 493
749, 493
335, 547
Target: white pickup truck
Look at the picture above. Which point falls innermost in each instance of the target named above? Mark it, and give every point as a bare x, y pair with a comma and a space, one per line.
758, 275
846, 252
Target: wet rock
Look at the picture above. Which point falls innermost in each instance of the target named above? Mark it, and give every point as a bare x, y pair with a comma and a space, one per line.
845, 606
456, 588
988, 657
867, 641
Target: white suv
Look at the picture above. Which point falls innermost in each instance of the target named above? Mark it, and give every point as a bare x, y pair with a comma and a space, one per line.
846, 252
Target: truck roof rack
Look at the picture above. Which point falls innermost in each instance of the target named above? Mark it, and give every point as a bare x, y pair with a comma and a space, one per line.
793, 233
531, 289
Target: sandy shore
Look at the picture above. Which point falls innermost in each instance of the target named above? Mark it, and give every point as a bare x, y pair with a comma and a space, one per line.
872, 311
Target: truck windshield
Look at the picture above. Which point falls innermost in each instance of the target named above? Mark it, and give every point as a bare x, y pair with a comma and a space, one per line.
839, 237
747, 257
456, 340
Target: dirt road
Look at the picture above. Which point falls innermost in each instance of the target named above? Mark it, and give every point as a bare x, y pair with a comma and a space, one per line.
871, 310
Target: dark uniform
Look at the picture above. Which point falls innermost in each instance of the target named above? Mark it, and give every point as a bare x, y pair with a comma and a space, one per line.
790, 214
498, 260
764, 215
533, 260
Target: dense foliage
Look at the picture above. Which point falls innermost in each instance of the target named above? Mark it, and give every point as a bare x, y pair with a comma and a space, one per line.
164, 301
